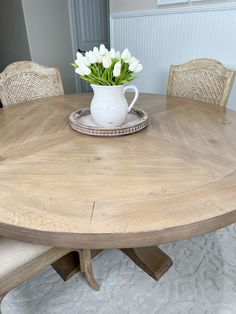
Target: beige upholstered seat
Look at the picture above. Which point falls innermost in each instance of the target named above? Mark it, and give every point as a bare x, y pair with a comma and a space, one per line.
20, 260
201, 79
14, 254
26, 80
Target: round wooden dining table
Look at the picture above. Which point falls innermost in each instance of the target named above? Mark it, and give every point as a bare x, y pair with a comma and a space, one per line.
173, 180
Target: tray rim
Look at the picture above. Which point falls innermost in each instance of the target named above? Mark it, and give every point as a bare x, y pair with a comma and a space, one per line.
114, 131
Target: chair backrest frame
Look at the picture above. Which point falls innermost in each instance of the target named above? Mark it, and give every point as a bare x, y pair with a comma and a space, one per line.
224, 76
18, 69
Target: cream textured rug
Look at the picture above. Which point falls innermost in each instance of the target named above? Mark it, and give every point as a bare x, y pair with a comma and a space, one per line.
202, 281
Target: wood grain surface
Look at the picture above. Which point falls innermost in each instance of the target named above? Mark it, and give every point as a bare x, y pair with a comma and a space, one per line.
173, 180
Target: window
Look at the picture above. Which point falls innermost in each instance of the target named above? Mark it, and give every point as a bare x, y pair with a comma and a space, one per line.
191, 3
165, 2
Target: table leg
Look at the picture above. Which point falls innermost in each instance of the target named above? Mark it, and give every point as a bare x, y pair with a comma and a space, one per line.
87, 269
69, 265
151, 259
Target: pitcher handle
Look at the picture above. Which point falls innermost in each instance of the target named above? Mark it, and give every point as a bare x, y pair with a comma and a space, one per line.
135, 96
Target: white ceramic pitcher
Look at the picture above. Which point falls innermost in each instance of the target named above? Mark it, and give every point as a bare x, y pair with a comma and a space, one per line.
109, 107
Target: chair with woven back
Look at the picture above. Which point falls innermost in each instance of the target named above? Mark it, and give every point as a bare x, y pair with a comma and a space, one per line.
20, 82
26, 80
205, 80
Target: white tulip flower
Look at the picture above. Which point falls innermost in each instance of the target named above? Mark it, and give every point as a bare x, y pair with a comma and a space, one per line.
133, 65
79, 62
83, 70
132, 60
118, 54
96, 50
91, 57
112, 53
126, 55
106, 62
103, 50
117, 69
138, 68
82, 61
110, 70
86, 70
86, 61
97, 54
79, 71
79, 56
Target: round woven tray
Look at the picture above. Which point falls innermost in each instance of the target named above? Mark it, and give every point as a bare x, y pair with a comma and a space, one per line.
81, 121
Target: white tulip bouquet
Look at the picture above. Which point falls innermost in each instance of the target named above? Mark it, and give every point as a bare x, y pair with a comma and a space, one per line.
107, 68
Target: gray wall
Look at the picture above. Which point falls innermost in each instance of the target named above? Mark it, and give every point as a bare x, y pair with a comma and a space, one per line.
132, 5
48, 27
13, 39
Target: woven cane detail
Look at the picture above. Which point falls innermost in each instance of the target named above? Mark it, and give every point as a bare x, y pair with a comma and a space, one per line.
200, 85
205, 80
30, 86
26, 80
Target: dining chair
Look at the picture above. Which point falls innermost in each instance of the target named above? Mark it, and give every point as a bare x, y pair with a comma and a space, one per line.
20, 260
201, 79
27, 80
20, 82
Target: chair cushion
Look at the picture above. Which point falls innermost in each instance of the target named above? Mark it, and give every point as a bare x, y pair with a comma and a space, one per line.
14, 254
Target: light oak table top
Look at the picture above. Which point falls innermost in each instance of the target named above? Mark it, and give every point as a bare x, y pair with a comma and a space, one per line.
173, 180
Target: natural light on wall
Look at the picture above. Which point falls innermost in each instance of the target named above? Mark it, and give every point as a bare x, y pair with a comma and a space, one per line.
190, 3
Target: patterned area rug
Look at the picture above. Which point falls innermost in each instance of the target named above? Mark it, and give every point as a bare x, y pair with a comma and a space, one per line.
202, 280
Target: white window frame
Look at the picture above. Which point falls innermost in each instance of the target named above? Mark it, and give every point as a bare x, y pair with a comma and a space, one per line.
168, 2
190, 3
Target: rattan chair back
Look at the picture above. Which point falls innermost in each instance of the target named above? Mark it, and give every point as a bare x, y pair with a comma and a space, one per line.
26, 80
201, 79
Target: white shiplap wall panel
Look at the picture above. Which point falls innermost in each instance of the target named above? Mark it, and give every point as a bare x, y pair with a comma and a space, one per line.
160, 40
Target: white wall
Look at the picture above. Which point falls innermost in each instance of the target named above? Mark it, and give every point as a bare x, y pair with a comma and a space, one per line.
48, 28
132, 5
162, 39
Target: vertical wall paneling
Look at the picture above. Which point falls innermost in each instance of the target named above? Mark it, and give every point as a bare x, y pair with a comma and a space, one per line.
91, 17
89, 28
160, 40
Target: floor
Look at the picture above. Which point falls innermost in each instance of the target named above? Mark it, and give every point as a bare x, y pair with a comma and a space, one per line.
202, 280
